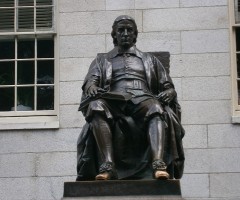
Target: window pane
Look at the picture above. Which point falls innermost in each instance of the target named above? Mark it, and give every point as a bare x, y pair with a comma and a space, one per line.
45, 72
7, 50
237, 11
43, 2
45, 98
6, 3
238, 65
25, 98
25, 72
26, 49
7, 73
6, 19
45, 49
25, 2
44, 17
238, 39
7, 99
239, 92
25, 19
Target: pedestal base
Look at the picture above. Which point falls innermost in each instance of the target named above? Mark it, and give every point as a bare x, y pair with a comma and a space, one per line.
123, 189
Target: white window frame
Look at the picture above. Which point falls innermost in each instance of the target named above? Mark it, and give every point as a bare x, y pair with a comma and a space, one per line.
35, 119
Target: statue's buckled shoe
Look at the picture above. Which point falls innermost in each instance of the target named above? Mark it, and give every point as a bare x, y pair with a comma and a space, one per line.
159, 169
103, 176
107, 172
162, 175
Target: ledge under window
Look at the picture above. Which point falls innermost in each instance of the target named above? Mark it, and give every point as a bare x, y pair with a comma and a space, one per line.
38, 122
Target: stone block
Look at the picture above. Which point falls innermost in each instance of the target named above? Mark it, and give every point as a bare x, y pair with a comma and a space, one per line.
75, 46
143, 4
195, 185
194, 3
70, 117
120, 4
133, 188
195, 136
207, 64
17, 188
56, 164
225, 185
212, 160
223, 136
38, 141
161, 41
178, 87
17, 165
205, 41
70, 92
93, 22
74, 69
76, 5
50, 188
206, 88
144, 197
185, 19
206, 112
210, 198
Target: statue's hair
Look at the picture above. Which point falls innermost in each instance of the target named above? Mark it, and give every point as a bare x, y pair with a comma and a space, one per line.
114, 26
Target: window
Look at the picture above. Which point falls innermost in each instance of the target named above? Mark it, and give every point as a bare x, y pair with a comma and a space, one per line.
28, 75
234, 13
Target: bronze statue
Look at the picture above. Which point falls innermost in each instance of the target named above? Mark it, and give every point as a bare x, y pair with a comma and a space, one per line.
133, 128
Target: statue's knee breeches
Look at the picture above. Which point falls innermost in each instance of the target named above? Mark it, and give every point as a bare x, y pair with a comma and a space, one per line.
148, 109
99, 106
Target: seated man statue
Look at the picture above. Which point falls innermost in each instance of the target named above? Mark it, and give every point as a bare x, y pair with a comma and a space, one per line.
133, 128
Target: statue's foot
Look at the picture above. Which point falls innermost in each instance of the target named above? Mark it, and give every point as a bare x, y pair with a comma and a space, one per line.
103, 176
107, 172
161, 175
160, 170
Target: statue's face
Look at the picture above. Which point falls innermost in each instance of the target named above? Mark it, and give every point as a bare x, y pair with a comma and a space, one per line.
125, 34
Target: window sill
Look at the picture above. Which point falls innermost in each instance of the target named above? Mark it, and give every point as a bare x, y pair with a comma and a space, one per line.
38, 122
236, 118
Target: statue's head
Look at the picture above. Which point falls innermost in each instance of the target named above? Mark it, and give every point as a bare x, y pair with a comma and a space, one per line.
124, 31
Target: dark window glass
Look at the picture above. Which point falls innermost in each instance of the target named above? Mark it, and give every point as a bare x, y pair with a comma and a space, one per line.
45, 72
238, 65
44, 17
7, 99
237, 10
6, 3
26, 49
25, 98
25, 19
238, 39
7, 73
43, 2
45, 98
238, 92
45, 48
25, 2
7, 49
25, 72
6, 19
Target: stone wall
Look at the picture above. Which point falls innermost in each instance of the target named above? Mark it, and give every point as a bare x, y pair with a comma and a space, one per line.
35, 163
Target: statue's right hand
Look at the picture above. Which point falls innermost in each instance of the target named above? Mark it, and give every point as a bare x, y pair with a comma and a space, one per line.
94, 90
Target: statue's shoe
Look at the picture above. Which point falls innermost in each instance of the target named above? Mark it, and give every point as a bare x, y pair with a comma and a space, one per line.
107, 171
161, 175
104, 176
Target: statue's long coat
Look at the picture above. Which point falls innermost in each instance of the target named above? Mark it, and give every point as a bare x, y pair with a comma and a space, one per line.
131, 149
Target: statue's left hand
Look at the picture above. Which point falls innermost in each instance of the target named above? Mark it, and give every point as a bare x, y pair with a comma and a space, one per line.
167, 96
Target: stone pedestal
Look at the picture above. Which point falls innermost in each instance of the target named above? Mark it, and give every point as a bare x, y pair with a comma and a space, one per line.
123, 189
